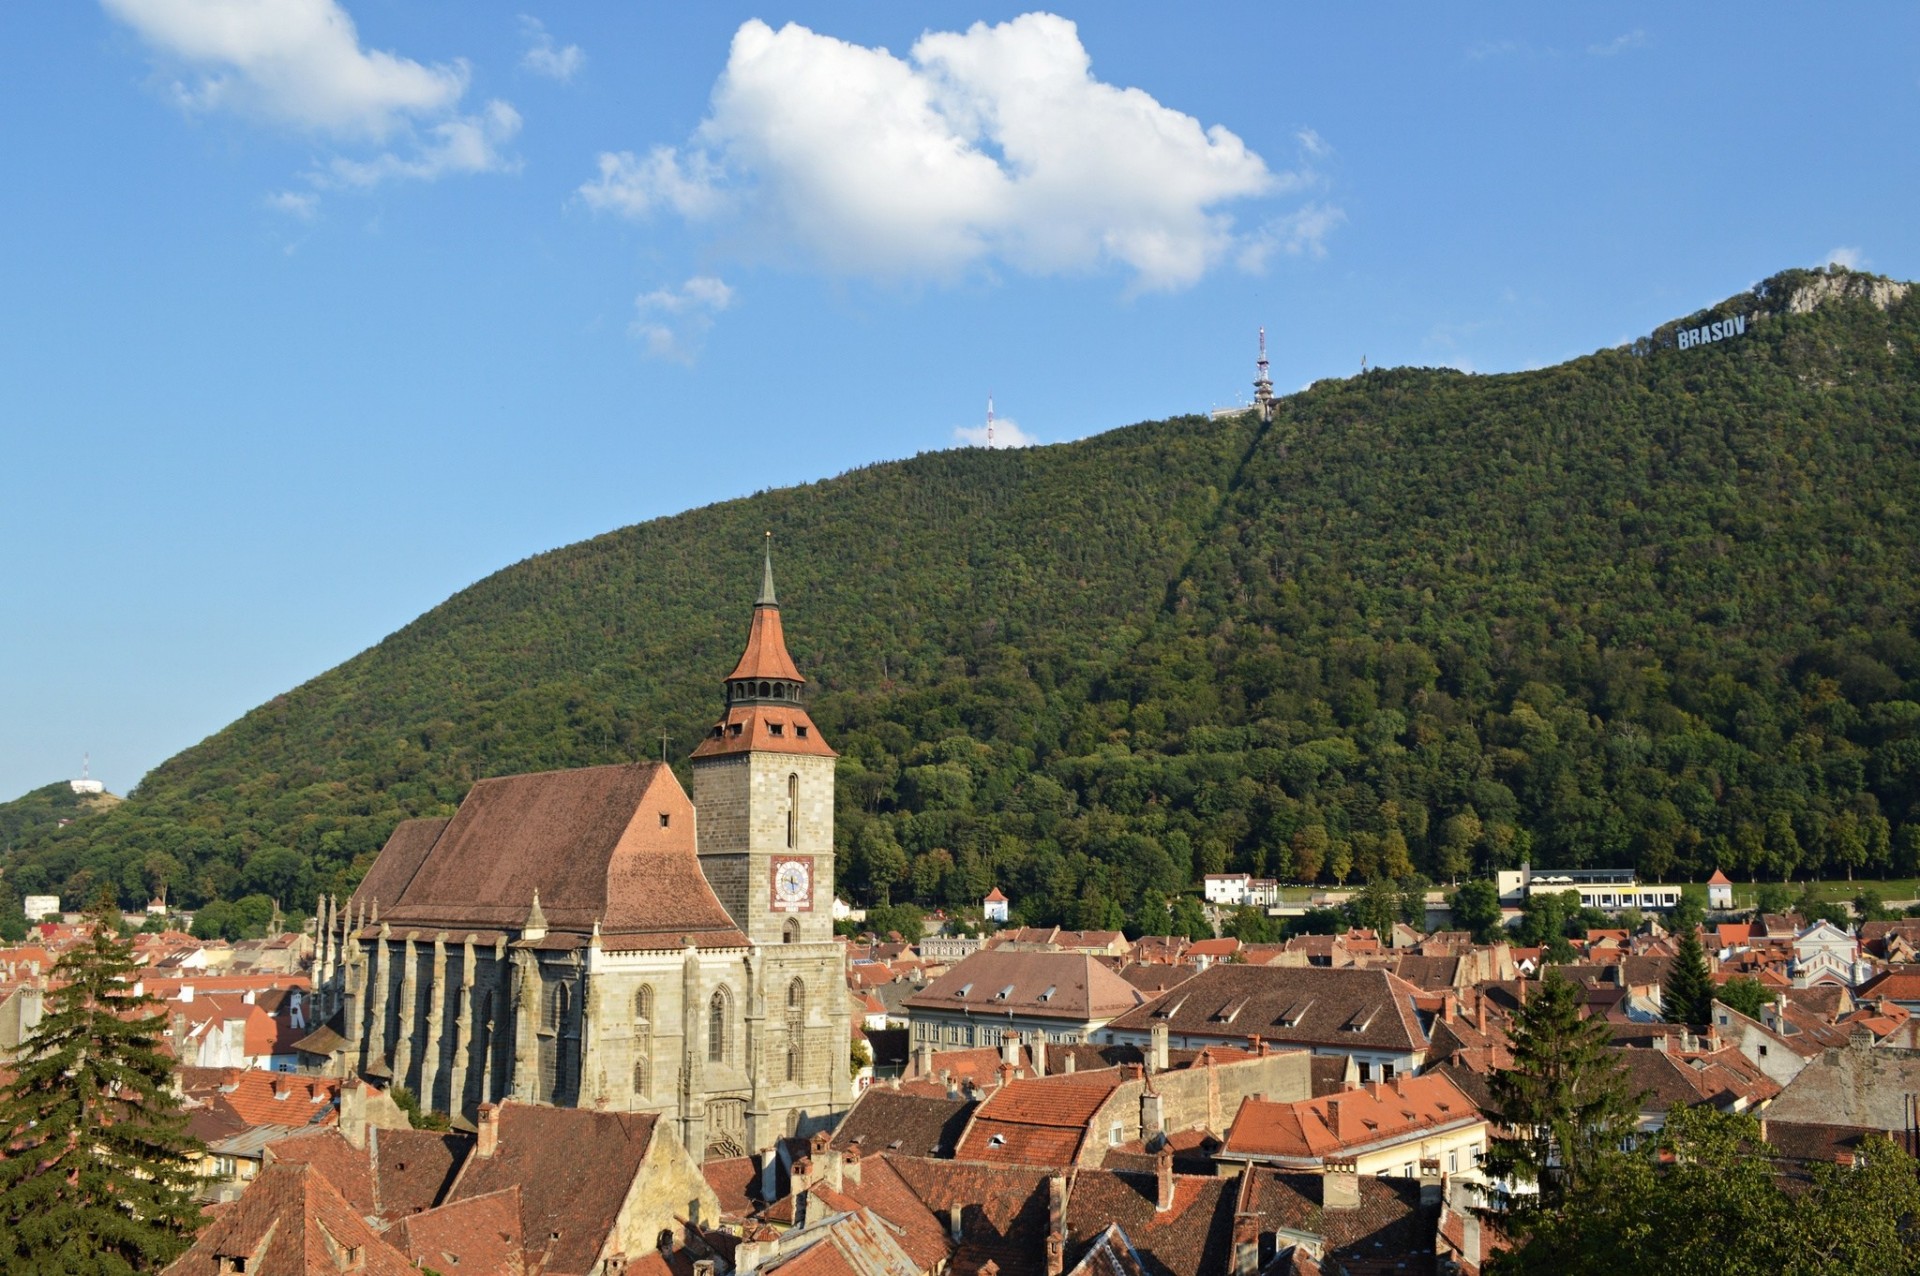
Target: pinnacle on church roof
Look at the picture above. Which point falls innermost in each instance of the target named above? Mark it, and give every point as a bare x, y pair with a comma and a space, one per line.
536, 918
767, 597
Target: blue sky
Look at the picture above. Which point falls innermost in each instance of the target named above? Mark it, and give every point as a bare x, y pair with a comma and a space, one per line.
318, 310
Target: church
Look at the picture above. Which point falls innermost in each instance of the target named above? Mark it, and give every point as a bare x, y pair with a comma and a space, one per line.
595, 938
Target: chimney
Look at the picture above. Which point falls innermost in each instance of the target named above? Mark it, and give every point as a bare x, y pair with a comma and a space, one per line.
278, 1085
1038, 1049
923, 1059
1340, 1186
850, 1166
1163, 1177
826, 1164
353, 1111
1446, 1009
488, 1129
1157, 1049
1006, 1071
1153, 1120
1056, 1225
954, 1229
1333, 1117
1246, 1244
1068, 1069
186, 993
770, 1175
1483, 1012
1431, 1184
1010, 1049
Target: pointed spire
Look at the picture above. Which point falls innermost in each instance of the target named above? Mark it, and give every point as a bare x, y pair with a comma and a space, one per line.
536, 918
767, 598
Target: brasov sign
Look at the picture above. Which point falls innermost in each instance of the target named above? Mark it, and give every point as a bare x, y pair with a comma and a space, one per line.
1719, 330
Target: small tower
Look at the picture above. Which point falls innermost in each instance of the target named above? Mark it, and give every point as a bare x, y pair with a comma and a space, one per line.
763, 787
1262, 383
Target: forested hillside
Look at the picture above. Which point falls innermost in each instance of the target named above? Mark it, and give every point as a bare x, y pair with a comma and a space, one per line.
1655, 606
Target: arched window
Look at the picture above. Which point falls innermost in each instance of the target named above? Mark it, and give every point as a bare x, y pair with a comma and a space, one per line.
790, 933
717, 1025
766, 691
557, 1009
643, 1006
793, 1063
797, 997
642, 1076
779, 691
793, 808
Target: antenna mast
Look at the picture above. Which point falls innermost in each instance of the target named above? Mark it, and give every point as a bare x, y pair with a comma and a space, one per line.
989, 419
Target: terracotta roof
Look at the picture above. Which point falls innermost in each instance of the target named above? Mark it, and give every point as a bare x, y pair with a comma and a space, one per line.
995, 897
1387, 1232
766, 653
574, 1168
291, 1222
880, 1188
399, 860
590, 841
479, 1236
413, 1168
258, 1097
1195, 1235
1003, 1209
764, 728
1038, 1121
1310, 1130
348, 1168
1057, 985
1347, 1008
736, 1181
885, 1120
1719, 879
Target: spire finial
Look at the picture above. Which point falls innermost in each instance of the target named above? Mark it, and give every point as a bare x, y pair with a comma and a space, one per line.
767, 598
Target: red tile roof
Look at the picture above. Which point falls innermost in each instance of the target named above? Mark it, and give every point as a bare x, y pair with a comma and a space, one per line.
291, 1222
479, 1236
1040, 1121
1311, 1130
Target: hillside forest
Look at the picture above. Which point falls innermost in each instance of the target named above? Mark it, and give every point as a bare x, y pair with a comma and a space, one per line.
1652, 607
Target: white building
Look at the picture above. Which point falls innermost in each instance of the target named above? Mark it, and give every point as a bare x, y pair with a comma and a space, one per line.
41, 906
994, 906
1719, 891
1228, 889
1607, 889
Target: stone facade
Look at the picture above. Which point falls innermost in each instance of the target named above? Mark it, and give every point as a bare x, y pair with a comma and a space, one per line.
689, 968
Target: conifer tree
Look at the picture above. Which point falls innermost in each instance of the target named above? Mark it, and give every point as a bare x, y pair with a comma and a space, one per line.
1565, 1102
96, 1167
1687, 995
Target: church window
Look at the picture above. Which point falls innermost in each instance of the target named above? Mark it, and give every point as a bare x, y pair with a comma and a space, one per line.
717, 1024
793, 1063
642, 1076
643, 1006
793, 808
790, 933
797, 997
557, 1009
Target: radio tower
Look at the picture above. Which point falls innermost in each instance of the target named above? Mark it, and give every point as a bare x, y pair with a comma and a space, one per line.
989, 420
1263, 384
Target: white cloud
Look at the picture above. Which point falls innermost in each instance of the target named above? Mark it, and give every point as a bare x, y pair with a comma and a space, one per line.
301, 204
672, 323
299, 64
1300, 233
1313, 144
1006, 433
1851, 258
996, 144
634, 186
544, 57
1619, 44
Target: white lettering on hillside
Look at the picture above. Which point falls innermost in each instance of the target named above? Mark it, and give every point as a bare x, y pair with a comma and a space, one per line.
1719, 330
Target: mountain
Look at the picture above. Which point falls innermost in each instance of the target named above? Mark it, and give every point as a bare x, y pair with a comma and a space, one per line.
1655, 606
46, 806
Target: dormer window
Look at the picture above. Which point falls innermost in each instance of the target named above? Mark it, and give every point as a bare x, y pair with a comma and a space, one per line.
665, 819
1004, 993
964, 990
776, 728
1048, 994
733, 728
801, 732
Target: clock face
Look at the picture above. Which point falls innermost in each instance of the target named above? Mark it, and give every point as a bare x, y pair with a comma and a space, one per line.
793, 885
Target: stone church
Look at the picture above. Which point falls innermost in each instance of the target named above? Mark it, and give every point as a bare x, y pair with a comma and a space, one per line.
594, 938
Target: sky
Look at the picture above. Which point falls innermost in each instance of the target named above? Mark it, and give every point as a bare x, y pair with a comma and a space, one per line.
317, 311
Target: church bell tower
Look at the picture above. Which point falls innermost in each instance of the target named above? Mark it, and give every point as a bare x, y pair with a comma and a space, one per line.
763, 790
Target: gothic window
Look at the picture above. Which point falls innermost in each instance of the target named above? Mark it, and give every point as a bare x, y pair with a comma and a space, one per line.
790, 933
643, 1040
793, 1063
793, 808
557, 1009
642, 1076
797, 998
643, 1007
718, 1047
796, 1027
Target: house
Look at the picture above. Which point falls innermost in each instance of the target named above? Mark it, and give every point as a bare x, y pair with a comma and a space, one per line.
291, 1222
1367, 1014
1829, 954
1719, 892
1386, 1128
994, 907
1067, 996
1228, 890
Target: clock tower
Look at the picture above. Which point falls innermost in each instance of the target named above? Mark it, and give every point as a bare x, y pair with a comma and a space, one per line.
763, 790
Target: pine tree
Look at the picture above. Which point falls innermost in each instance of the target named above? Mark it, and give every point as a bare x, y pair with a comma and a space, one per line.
97, 1171
1687, 995
1565, 1102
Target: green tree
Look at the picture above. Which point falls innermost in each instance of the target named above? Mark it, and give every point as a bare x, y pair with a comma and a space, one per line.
1476, 907
1565, 1103
1746, 994
1688, 914
1687, 994
1772, 897
98, 1170
1189, 918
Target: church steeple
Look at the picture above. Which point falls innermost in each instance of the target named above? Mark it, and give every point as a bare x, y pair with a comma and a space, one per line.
765, 692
